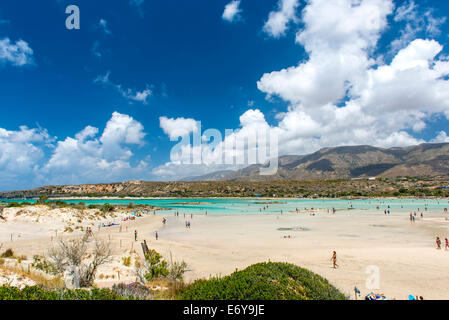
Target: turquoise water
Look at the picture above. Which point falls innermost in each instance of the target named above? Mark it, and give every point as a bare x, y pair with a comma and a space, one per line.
256, 205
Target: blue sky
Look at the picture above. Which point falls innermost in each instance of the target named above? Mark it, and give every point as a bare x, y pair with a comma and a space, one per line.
318, 74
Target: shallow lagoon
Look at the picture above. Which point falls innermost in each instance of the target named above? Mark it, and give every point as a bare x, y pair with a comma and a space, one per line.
256, 205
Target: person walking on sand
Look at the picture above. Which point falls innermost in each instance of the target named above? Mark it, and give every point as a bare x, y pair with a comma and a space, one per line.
156, 235
438, 242
446, 244
135, 235
334, 260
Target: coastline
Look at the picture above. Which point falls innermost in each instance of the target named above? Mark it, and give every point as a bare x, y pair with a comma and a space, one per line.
244, 198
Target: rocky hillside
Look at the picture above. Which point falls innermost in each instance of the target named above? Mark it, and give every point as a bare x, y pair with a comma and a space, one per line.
328, 172
425, 160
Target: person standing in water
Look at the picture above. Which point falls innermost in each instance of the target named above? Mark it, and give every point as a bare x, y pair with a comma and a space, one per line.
334, 260
438, 242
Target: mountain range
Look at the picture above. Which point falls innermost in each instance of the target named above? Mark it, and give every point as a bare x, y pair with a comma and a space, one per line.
348, 162
336, 164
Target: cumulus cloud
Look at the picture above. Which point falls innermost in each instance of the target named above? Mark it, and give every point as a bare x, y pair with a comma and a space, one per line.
342, 94
277, 23
16, 53
216, 152
31, 157
232, 11
20, 153
442, 137
129, 94
88, 157
179, 127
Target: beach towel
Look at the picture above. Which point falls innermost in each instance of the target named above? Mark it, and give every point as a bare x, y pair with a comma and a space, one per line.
375, 296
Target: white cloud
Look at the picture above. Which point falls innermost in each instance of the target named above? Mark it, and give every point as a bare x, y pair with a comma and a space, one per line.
178, 127
381, 101
416, 22
441, 138
96, 49
89, 158
232, 11
103, 26
235, 145
277, 23
20, 153
129, 94
18, 53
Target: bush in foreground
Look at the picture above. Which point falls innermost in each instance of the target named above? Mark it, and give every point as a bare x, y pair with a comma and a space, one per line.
39, 293
264, 281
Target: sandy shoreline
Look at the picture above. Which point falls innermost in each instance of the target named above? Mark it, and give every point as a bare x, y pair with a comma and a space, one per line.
243, 198
403, 252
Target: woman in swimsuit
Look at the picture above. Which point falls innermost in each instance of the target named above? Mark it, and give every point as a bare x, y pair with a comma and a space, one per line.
334, 260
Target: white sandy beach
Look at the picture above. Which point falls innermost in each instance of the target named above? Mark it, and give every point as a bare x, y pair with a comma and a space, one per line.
404, 252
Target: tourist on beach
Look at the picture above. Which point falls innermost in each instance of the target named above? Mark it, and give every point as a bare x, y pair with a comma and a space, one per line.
446, 244
334, 260
438, 242
156, 235
135, 235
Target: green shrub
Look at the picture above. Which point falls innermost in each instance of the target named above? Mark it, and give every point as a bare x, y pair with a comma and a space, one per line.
131, 290
264, 281
157, 267
107, 208
127, 261
40, 263
40, 293
14, 205
7, 254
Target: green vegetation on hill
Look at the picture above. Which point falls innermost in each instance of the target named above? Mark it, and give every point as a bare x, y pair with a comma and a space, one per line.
381, 187
264, 281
